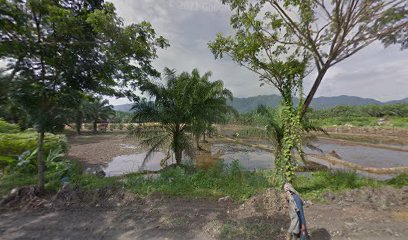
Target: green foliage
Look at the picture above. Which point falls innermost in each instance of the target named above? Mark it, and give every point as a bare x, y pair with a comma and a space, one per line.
13, 144
6, 127
186, 103
374, 111
313, 187
57, 168
122, 117
218, 181
58, 50
399, 181
90, 181
98, 110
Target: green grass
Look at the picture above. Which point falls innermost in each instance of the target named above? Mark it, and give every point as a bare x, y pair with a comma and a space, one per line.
218, 181
313, 187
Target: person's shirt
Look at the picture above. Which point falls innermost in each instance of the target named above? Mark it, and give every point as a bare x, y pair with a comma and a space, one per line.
299, 205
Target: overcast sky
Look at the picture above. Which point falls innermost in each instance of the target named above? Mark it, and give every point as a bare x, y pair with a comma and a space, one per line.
189, 25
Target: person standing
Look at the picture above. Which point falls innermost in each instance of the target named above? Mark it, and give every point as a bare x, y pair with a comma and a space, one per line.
297, 228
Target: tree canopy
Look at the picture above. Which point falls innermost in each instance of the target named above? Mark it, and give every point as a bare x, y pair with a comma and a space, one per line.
57, 49
324, 32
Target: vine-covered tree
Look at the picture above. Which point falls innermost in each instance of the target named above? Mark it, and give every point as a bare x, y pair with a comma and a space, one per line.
280, 40
55, 49
330, 31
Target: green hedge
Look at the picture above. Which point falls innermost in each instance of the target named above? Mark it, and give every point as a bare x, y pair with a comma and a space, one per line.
6, 127
12, 144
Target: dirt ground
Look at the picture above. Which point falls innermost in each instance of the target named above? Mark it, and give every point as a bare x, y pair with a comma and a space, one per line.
98, 150
117, 214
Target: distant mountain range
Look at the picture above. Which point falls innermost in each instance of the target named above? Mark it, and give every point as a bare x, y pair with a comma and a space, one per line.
251, 103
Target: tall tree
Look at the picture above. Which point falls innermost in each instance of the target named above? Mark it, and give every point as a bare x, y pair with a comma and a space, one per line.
281, 40
329, 31
55, 49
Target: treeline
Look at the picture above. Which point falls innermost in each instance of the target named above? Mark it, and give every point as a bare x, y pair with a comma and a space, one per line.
396, 110
356, 115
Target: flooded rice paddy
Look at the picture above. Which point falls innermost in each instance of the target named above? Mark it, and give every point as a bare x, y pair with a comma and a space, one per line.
252, 158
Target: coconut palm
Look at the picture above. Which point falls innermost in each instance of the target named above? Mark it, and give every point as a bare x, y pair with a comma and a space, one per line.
98, 110
166, 122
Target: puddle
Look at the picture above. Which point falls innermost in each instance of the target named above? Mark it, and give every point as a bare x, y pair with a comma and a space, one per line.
249, 158
131, 163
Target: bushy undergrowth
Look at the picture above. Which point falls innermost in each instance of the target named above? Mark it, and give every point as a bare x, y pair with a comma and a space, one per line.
17, 143
313, 187
218, 181
6, 127
231, 180
56, 170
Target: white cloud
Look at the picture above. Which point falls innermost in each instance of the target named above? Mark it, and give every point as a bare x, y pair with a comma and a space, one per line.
374, 72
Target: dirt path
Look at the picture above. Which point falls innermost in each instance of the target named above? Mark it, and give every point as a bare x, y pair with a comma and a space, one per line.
117, 214
175, 218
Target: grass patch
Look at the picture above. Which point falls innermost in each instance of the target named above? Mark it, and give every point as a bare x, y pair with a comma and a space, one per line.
399, 181
218, 181
313, 187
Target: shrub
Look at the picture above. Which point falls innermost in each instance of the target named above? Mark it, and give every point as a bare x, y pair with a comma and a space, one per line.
14, 144
6, 127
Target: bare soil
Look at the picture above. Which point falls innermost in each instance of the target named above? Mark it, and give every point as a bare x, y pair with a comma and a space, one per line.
98, 150
117, 214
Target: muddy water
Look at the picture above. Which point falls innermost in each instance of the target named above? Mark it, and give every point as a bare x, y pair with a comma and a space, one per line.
249, 158
132, 163
252, 158
363, 155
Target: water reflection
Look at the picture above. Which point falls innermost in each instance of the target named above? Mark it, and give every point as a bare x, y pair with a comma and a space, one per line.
131, 163
251, 158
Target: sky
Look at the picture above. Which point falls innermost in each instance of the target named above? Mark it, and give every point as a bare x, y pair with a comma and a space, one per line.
189, 25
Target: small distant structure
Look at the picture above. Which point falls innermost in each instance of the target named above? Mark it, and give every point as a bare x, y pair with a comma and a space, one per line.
103, 126
381, 121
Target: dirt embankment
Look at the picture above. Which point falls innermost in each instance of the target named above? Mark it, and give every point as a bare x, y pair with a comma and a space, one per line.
110, 213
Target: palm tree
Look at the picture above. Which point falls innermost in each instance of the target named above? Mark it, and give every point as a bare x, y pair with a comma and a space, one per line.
209, 103
98, 110
166, 122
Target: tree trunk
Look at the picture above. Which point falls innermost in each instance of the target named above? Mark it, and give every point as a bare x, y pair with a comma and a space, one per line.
78, 124
95, 127
41, 162
178, 151
178, 154
197, 138
313, 90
